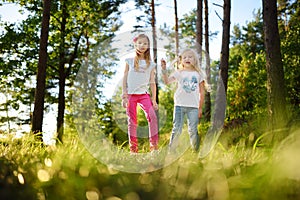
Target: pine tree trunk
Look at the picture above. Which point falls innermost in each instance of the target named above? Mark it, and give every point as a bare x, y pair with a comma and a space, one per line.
38, 113
207, 111
62, 76
225, 43
153, 24
220, 102
61, 105
274, 65
199, 31
176, 30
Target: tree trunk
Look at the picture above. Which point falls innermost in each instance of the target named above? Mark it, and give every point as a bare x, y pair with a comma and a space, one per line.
38, 113
218, 118
61, 105
207, 112
62, 75
153, 24
275, 73
225, 43
220, 102
64, 72
6, 107
176, 30
199, 28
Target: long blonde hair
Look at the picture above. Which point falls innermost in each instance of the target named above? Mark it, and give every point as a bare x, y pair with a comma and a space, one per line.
147, 55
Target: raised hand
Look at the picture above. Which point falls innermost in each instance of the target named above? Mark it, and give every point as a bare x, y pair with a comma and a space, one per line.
163, 64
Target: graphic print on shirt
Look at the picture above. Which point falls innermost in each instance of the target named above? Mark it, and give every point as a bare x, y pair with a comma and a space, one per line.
190, 85
142, 67
141, 70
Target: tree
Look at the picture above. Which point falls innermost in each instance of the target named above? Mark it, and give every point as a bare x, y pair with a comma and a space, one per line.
75, 22
274, 65
154, 38
18, 42
63, 74
220, 103
37, 118
289, 28
176, 29
199, 30
71, 22
225, 43
207, 112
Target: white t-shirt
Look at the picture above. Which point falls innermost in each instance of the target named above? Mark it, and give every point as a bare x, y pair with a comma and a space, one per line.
138, 81
187, 93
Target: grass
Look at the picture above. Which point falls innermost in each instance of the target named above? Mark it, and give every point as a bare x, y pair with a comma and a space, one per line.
240, 167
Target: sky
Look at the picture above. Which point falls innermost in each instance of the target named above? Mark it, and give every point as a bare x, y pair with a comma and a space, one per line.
242, 11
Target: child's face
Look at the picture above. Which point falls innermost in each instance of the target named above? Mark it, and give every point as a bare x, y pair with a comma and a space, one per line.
142, 45
188, 59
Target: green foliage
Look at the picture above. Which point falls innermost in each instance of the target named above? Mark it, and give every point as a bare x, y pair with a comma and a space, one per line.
113, 122
144, 17
247, 89
247, 92
87, 24
187, 25
16, 49
167, 103
289, 31
187, 28
247, 75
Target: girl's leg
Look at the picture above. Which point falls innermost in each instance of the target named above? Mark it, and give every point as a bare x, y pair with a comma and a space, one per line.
178, 117
146, 105
192, 117
132, 123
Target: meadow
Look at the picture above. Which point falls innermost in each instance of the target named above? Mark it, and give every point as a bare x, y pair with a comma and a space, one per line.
242, 166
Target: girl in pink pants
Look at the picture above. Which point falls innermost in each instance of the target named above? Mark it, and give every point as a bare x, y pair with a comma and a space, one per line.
139, 74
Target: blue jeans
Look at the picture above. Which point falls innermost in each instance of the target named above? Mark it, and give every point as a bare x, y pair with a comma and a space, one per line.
178, 120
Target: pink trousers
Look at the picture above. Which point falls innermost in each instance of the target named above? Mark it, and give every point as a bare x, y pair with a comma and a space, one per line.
145, 102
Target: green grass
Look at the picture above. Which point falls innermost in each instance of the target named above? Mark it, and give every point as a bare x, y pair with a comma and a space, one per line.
240, 167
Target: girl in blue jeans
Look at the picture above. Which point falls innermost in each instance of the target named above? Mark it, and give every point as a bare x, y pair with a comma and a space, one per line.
188, 98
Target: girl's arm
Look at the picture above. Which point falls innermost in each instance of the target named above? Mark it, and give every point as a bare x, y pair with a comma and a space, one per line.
153, 88
124, 87
202, 94
165, 78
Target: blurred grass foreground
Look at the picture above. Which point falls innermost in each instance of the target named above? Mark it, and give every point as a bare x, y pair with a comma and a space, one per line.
243, 169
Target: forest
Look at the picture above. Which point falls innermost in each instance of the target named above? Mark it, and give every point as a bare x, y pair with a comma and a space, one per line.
59, 60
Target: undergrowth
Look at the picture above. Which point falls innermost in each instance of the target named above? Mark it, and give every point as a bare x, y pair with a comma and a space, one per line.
241, 166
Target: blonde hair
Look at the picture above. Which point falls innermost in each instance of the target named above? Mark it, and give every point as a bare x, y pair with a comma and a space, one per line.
147, 55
